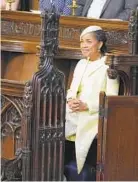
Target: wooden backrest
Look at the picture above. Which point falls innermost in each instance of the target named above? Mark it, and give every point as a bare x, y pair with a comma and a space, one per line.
21, 33
117, 138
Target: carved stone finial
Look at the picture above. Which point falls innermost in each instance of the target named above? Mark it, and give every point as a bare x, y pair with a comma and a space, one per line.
133, 32
49, 34
112, 73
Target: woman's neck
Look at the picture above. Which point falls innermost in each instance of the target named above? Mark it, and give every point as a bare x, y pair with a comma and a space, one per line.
95, 57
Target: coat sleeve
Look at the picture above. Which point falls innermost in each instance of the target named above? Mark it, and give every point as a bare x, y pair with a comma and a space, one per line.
129, 6
71, 92
93, 104
111, 88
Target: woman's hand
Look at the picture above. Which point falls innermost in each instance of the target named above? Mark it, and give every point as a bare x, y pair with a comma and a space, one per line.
77, 105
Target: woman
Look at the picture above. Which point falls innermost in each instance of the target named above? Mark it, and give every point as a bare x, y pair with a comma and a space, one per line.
90, 77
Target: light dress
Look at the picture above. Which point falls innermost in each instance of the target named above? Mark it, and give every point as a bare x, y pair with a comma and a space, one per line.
90, 77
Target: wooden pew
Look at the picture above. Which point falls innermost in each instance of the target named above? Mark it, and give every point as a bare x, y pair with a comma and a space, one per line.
117, 138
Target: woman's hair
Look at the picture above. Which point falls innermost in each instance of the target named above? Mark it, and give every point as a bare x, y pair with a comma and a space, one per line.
101, 36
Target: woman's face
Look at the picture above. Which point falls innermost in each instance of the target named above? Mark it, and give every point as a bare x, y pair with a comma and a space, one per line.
89, 45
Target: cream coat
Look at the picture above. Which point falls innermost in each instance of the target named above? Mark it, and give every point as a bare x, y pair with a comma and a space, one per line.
85, 124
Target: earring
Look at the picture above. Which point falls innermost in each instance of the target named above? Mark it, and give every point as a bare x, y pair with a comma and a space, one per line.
99, 49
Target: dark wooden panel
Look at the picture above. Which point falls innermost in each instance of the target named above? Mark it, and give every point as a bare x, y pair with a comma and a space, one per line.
64, 66
34, 4
119, 139
3, 63
19, 66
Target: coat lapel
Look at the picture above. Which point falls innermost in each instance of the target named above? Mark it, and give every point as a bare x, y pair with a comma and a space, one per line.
86, 7
97, 65
79, 78
105, 6
92, 68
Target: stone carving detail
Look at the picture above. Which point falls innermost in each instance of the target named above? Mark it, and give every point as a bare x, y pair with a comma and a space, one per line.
20, 28
49, 34
133, 32
117, 37
13, 116
69, 33
11, 169
113, 37
11, 130
26, 29
26, 130
12, 110
18, 102
4, 101
112, 73
51, 135
27, 99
